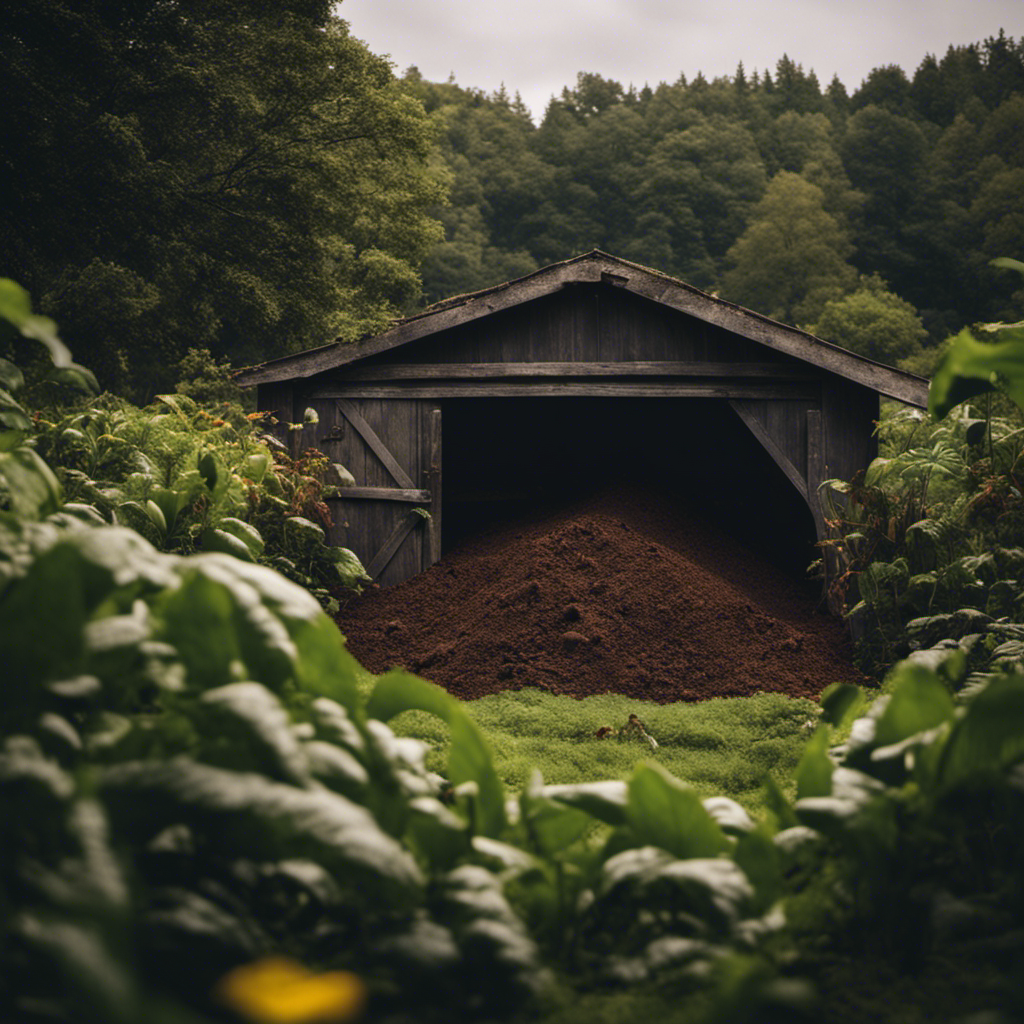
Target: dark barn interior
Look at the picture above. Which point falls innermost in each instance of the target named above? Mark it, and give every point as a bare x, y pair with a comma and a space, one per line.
509, 458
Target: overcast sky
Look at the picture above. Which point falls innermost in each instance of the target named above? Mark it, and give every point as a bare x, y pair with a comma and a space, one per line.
538, 46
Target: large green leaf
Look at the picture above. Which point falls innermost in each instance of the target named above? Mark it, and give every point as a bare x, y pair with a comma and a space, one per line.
469, 759
119, 555
336, 767
732, 818
990, 735
971, 367
551, 825
325, 667
243, 814
664, 812
714, 890
34, 490
439, 834
845, 812
506, 961
11, 378
604, 800
252, 609
42, 638
303, 533
198, 619
840, 703
16, 309
245, 532
814, 772
761, 860
919, 701
227, 543
91, 976
264, 727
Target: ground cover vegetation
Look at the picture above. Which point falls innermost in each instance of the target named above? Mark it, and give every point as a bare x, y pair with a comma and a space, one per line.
210, 815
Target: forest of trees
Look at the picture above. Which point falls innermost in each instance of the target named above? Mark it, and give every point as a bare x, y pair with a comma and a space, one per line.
871, 217
250, 179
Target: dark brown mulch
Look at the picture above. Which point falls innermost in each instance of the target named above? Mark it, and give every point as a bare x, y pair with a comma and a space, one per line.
621, 593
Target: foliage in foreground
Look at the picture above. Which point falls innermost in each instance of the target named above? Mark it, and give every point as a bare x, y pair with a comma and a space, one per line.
189, 772
185, 474
207, 816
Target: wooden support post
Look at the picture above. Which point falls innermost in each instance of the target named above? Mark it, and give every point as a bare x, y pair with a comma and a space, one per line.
815, 468
796, 478
432, 541
815, 476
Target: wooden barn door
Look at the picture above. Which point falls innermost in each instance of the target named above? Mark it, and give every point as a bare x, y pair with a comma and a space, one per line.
391, 518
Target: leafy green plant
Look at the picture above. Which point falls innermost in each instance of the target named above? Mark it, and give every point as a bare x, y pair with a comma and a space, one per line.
190, 479
971, 367
209, 704
27, 484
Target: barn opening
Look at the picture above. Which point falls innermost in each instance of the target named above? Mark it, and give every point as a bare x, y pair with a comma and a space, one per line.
510, 458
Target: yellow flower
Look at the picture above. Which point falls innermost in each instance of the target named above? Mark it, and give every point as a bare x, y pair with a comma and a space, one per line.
276, 990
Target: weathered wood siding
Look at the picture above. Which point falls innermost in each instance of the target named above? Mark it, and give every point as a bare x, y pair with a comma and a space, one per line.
588, 341
583, 323
367, 524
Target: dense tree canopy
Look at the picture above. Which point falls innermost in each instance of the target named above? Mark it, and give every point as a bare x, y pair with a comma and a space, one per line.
244, 176
914, 177
792, 258
872, 322
249, 178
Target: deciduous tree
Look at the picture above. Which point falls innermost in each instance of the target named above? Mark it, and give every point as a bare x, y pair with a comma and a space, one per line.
244, 176
873, 322
792, 257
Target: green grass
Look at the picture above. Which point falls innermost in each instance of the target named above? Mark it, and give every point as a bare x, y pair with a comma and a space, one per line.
720, 747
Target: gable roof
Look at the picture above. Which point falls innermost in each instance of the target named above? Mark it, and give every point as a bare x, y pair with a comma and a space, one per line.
599, 267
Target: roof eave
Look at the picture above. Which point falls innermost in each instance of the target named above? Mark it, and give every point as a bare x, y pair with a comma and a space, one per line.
595, 267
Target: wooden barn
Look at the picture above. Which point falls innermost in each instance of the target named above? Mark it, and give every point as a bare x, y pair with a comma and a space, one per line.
587, 373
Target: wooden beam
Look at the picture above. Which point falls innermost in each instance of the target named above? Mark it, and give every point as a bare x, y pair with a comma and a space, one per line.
432, 542
489, 371
781, 337
369, 435
392, 544
815, 468
781, 458
574, 389
419, 497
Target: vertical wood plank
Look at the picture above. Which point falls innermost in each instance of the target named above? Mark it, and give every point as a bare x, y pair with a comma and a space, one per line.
815, 467
432, 541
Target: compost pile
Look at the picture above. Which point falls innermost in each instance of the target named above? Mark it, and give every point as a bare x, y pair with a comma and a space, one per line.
621, 593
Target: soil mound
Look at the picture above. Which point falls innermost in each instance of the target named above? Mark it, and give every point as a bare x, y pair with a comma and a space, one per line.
621, 593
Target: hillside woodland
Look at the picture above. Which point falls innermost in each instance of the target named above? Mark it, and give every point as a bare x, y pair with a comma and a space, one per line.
860, 215
154, 181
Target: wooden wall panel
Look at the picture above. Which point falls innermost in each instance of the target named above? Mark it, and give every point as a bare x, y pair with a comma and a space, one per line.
583, 323
365, 525
849, 412
813, 428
